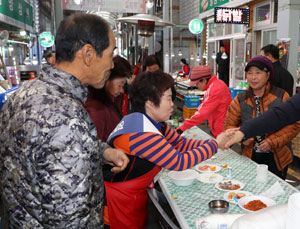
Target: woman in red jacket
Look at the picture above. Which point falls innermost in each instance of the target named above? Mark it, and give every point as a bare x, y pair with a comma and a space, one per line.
150, 145
185, 68
215, 103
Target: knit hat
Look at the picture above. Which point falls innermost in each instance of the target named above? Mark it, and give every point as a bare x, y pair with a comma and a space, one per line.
262, 63
198, 73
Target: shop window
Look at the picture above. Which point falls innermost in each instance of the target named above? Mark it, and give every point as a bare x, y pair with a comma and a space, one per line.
238, 28
212, 30
262, 13
210, 54
228, 29
269, 37
219, 29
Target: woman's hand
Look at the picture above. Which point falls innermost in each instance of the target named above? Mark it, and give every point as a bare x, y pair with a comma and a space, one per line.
265, 145
224, 137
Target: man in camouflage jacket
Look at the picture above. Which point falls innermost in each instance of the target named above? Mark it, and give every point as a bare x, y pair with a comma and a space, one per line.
50, 156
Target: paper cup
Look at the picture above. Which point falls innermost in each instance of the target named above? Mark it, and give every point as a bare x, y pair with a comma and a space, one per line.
262, 173
293, 212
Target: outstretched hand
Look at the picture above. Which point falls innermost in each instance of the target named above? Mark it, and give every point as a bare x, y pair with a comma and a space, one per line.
236, 137
116, 158
224, 137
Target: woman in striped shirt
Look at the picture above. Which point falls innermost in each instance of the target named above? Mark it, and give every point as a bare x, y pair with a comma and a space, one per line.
150, 145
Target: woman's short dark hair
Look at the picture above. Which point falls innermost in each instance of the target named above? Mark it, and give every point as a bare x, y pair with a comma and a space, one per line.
77, 30
122, 68
151, 60
149, 86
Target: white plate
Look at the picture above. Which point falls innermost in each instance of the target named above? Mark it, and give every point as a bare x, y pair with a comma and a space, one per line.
243, 201
218, 168
226, 195
183, 178
210, 178
233, 182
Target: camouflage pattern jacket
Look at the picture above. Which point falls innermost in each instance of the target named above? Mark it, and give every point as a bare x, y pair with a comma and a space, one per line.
50, 156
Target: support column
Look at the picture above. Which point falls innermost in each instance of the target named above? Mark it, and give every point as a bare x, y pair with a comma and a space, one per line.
166, 38
288, 27
58, 14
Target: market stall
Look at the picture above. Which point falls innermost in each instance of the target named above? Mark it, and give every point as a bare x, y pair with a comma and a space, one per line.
191, 202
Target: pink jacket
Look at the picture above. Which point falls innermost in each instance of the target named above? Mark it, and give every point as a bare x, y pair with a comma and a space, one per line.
214, 106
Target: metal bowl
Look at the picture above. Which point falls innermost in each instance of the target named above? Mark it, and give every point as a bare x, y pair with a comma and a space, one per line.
218, 206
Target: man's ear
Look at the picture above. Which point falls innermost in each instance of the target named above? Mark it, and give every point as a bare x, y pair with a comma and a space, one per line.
87, 53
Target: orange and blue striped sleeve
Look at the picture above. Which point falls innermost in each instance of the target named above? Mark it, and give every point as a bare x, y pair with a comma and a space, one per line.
172, 152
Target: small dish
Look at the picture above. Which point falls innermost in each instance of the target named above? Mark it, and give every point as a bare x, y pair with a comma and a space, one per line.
258, 205
183, 178
218, 206
210, 178
229, 185
228, 196
207, 168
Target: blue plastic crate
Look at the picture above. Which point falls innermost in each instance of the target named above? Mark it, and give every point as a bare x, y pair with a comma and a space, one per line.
3, 96
234, 92
191, 101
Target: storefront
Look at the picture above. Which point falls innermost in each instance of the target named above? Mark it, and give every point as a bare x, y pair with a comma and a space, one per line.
233, 36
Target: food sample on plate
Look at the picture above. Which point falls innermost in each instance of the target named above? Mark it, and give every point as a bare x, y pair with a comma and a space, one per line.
228, 185
255, 205
207, 168
224, 165
238, 195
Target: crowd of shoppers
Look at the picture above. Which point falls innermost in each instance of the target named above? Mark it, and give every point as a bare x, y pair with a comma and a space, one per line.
55, 166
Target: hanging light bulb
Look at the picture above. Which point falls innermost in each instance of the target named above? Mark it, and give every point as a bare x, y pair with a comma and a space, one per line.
179, 52
35, 60
167, 53
27, 60
204, 55
172, 54
192, 56
214, 55
198, 57
23, 33
44, 61
224, 56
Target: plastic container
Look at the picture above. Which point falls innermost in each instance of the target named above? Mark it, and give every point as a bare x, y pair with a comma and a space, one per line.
188, 112
191, 101
234, 92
